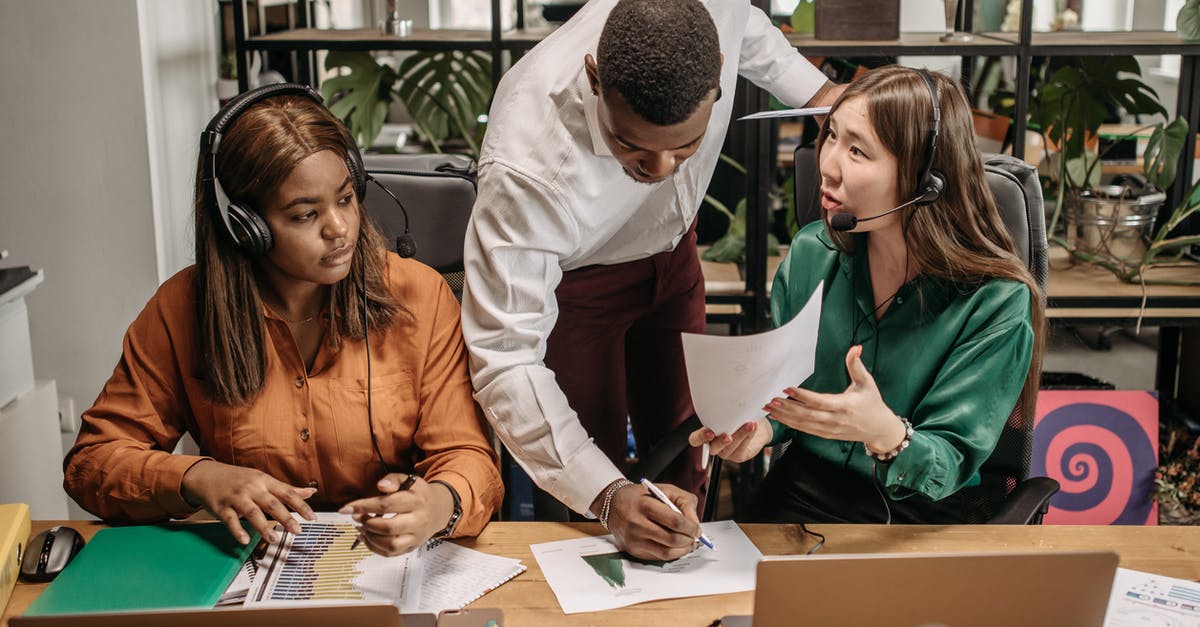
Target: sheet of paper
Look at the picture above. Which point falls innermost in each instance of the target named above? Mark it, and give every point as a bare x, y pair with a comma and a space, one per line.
455, 576
732, 377
1140, 599
318, 566
236, 593
786, 113
590, 574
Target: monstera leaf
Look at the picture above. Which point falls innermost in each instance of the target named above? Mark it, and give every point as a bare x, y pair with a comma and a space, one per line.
446, 92
360, 97
1188, 22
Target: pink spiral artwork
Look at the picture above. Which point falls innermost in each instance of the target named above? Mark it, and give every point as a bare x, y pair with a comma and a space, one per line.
1102, 447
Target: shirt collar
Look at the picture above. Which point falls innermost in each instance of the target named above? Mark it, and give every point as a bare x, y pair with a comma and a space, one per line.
593, 116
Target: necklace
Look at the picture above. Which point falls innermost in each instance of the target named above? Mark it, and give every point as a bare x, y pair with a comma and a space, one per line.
301, 321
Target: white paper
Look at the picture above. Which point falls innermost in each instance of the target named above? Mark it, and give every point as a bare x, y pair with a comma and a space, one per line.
318, 568
1139, 599
455, 576
591, 574
732, 377
786, 113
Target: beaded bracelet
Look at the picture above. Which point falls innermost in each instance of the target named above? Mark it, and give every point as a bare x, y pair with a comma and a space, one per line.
890, 456
606, 509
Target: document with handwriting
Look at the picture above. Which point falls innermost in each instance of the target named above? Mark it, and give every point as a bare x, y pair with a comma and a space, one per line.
732, 377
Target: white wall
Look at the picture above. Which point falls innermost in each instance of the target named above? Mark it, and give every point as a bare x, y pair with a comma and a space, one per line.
103, 106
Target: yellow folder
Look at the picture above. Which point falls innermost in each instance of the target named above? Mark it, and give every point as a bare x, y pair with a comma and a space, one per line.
14, 533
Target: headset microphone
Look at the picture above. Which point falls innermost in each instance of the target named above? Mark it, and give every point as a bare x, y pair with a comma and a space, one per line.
406, 246
847, 221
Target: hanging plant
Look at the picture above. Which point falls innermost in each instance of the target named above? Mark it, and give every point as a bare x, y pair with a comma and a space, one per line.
1188, 22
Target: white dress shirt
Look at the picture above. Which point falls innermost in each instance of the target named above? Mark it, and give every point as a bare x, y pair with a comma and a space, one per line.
552, 198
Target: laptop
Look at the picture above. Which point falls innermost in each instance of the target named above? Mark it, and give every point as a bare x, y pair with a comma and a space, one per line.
1045, 588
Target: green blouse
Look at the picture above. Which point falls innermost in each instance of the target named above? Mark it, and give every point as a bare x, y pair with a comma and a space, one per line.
951, 358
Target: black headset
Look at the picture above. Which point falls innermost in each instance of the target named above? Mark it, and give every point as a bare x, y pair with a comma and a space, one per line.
932, 182
248, 229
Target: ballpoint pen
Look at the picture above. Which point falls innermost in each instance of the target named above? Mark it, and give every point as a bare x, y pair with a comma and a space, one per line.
406, 484
658, 494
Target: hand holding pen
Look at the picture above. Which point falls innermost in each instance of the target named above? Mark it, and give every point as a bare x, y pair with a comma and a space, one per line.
362, 515
658, 494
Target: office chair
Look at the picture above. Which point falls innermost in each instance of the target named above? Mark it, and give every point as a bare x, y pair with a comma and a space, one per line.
438, 191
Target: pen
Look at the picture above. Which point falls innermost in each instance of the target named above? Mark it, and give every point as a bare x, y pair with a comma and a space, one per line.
406, 484
704, 456
658, 494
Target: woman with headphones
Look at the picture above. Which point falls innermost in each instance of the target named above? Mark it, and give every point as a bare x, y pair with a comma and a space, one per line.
931, 328
314, 369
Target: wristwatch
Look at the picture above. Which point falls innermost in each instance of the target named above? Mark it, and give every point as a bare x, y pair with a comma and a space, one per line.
453, 522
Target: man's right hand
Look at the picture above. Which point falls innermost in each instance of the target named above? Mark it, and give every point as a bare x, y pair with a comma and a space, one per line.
646, 528
233, 492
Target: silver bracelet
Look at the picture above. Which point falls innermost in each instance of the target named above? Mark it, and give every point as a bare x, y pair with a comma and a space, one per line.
606, 508
890, 456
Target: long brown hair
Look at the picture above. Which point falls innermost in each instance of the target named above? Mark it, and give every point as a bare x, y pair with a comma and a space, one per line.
257, 153
961, 237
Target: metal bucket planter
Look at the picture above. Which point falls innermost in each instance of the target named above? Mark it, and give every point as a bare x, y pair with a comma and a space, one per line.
1113, 221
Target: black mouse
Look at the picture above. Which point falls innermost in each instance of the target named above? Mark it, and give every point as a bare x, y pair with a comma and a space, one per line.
49, 552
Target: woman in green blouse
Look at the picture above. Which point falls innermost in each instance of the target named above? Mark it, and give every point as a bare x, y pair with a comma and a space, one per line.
931, 331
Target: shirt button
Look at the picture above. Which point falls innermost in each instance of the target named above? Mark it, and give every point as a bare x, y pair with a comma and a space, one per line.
899, 300
299, 382
312, 484
900, 477
304, 435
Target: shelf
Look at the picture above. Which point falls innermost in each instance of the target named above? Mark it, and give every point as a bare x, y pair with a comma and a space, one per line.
371, 39
1094, 43
916, 44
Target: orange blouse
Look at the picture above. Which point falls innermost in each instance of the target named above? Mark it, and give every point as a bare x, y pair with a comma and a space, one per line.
304, 428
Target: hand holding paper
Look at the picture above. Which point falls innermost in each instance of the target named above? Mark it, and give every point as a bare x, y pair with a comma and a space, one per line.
731, 378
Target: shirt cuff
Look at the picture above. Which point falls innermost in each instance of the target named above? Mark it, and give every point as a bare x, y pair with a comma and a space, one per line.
169, 479
918, 469
583, 479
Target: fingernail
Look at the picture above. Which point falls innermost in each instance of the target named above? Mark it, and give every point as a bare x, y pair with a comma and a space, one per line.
709, 434
751, 426
272, 537
345, 510
386, 484
726, 439
244, 539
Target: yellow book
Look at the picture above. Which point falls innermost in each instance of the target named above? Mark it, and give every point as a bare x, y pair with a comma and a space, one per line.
14, 533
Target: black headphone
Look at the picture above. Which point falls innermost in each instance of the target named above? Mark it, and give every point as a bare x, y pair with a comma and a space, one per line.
247, 229
932, 182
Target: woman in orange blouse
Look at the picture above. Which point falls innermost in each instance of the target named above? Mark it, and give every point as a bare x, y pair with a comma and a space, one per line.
261, 352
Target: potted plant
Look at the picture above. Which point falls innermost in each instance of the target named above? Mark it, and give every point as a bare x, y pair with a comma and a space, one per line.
1109, 226
1177, 478
446, 93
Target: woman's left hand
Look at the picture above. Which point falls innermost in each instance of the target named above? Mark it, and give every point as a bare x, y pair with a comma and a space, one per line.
399, 521
855, 415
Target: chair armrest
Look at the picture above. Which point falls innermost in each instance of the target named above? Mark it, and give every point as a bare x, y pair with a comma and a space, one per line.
1027, 503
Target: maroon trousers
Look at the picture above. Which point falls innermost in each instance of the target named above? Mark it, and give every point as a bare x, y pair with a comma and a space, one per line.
616, 352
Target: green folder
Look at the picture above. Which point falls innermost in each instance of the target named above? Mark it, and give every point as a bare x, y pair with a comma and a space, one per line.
147, 567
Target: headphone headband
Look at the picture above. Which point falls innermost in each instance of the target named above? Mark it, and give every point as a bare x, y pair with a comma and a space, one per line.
931, 182
244, 225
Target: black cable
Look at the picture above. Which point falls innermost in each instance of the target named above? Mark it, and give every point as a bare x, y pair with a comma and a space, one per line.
367, 344
820, 539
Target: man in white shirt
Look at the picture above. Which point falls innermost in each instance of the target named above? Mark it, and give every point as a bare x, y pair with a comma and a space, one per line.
581, 267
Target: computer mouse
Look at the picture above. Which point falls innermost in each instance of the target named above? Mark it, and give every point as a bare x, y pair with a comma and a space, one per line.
49, 552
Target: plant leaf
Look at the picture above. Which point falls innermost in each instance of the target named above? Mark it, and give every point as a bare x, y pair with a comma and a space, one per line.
446, 92
1161, 159
361, 96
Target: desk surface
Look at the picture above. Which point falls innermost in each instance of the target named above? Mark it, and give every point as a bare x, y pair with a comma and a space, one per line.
528, 600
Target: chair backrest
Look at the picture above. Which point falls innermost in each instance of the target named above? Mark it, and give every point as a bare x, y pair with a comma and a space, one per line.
1018, 195
438, 192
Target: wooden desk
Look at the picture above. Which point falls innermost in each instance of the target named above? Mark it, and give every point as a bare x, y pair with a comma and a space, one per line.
528, 600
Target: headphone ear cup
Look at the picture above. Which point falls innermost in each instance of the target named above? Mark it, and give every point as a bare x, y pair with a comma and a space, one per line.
931, 191
358, 173
249, 230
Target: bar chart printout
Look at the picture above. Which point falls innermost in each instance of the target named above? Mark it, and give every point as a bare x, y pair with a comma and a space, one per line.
318, 566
